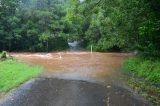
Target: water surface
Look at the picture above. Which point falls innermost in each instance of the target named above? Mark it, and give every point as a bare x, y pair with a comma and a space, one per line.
76, 65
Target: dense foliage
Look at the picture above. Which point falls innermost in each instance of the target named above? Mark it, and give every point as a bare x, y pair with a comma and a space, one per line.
117, 24
144, 76
32, 25
108, 25
149, 69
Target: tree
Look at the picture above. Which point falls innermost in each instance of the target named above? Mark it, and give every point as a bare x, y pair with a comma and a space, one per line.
25, 23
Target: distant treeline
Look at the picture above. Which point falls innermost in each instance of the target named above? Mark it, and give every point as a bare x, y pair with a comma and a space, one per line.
32, 25
107, 25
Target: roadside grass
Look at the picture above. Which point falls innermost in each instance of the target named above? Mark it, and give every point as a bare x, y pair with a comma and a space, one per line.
14, 73
143, 75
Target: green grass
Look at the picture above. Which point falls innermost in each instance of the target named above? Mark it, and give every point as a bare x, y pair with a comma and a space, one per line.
149, 69
13, 73
144, 76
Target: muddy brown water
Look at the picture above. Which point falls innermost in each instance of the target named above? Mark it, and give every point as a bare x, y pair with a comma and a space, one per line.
76, 65
75, 79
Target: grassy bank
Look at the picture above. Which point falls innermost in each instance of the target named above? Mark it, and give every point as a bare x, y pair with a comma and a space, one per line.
143, 75
13, 73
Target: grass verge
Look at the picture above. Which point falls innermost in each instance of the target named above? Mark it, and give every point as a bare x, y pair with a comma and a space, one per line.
143, 75
13, 73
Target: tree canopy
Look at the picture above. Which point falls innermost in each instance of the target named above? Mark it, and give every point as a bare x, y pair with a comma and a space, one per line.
108, 25
31, 25
118, 25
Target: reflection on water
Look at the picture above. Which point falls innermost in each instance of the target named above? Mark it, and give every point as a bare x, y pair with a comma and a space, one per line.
76, 65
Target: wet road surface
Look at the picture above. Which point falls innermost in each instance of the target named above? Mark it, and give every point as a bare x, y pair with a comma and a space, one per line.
74, 79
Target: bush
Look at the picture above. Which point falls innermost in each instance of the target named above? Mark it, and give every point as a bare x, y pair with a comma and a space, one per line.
3, 55
145, 78
131, 65
148, 69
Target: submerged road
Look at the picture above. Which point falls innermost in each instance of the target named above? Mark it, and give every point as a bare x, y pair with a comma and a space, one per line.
74, 79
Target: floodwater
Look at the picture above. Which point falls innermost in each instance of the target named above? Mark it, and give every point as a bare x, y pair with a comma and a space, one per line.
76, 65
75, 79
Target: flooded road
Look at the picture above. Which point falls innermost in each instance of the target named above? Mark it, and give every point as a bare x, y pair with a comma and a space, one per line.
75, 79
76, 65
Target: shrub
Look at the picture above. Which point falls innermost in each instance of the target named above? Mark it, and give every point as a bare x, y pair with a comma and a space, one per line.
146, 77
148, 69
4, 55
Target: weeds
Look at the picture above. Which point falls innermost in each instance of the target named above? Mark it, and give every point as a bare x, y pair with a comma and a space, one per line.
143, 75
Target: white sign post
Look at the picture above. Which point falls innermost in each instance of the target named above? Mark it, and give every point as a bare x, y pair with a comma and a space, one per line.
91, 49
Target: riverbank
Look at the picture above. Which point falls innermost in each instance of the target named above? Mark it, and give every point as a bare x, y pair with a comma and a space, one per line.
143, 75
14, 73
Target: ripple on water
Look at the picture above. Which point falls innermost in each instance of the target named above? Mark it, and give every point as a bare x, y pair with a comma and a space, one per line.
76, 65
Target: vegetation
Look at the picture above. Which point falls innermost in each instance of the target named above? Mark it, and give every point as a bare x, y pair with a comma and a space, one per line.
149, 69
13, 73
107, 25
116, 25
32, 25
144, 76
122, 25
3, 55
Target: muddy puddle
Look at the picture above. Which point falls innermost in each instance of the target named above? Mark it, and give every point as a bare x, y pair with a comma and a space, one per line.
76, 65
